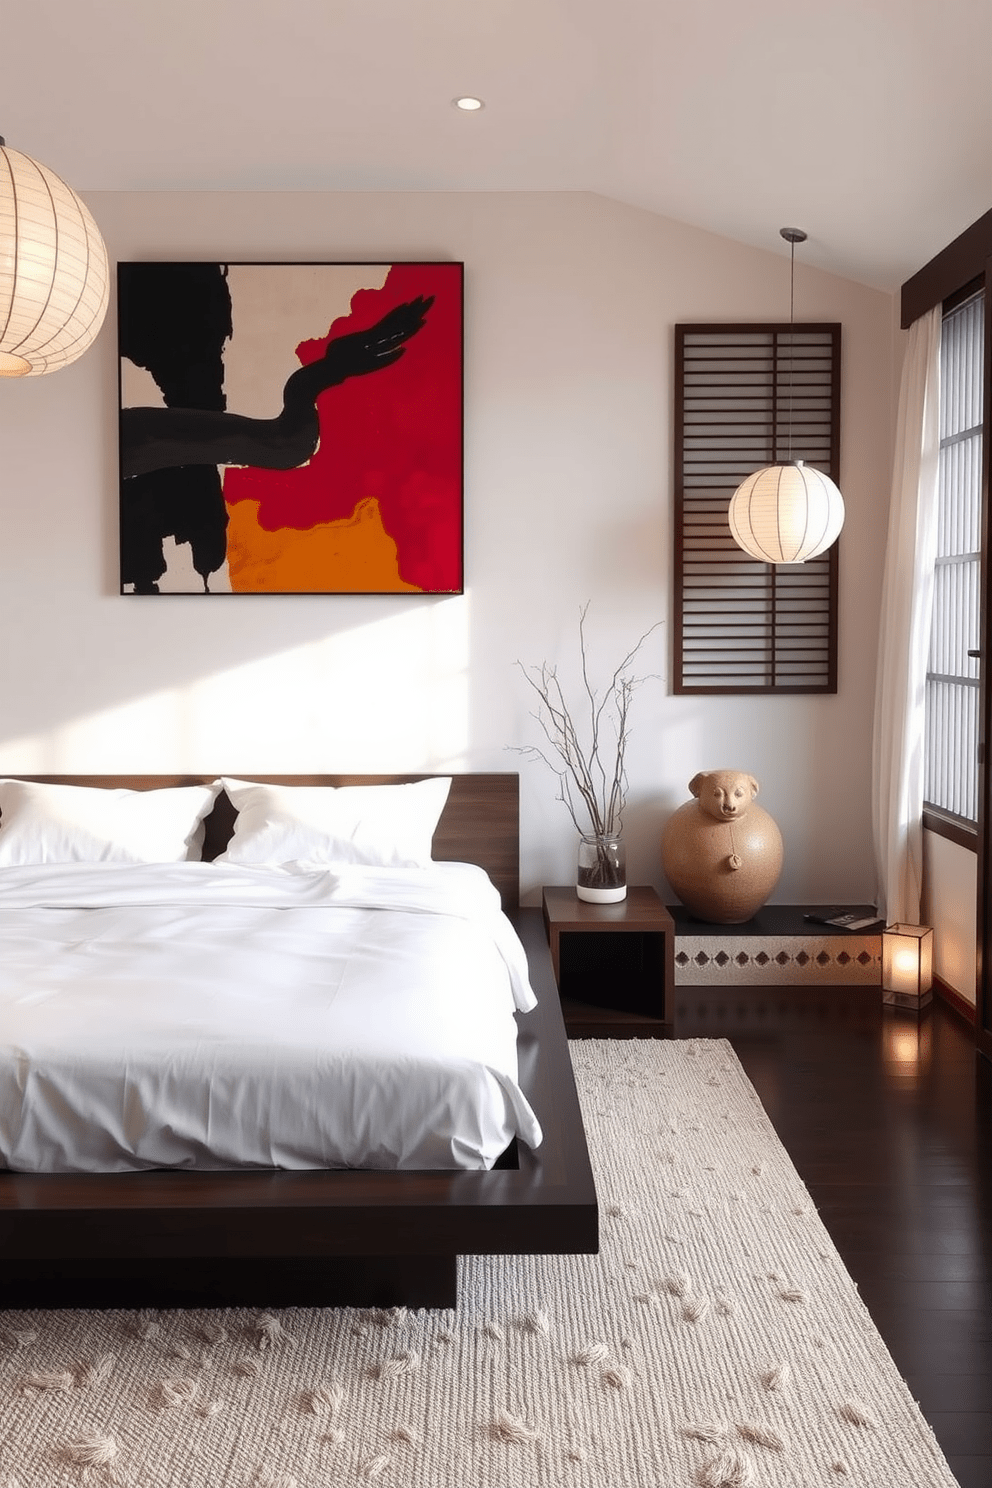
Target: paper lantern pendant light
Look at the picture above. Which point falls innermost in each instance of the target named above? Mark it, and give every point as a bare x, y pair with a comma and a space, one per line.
54, 275
786, 513
790, 512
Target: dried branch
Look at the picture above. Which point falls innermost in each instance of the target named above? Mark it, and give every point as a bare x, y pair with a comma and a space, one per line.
592, 788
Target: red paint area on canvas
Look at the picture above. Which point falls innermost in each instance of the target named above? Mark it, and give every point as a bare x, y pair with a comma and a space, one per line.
394, 435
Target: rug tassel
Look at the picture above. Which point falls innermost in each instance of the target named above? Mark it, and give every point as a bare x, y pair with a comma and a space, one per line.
792, 1294
406, 1435
211, 1333
761, 1436
732, 1469
391, 1368
322, 1400
144, 1325
707, 1431
856, 1414
90, 1372
694, 1309
169, 1393
47, 1379
266, 1331
377, 1466
616, 1378
91, 1453
510, 1429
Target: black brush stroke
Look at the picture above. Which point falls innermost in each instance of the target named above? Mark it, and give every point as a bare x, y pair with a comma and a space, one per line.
163, 438
174, 321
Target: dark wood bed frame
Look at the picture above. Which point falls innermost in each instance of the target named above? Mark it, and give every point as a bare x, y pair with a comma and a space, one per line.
321, 1237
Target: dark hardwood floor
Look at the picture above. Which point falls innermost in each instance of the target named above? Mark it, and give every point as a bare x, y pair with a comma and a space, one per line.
889, 1123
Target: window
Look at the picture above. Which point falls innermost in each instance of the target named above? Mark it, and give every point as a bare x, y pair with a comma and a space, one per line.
951, 771
748, 396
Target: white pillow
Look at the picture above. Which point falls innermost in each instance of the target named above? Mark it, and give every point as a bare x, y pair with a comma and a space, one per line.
387, 826
93, 824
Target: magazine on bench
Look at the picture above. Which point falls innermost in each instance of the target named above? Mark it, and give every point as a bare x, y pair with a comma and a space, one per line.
844, 919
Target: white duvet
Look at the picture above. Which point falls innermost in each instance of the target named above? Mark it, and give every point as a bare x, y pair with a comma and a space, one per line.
200, 1015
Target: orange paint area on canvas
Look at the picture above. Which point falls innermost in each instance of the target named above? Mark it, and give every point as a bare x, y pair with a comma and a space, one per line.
353, 555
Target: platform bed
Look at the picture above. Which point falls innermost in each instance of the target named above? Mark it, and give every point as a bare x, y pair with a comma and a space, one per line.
320, 1237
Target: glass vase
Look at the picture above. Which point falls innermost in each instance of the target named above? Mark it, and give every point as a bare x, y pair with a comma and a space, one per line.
602, 870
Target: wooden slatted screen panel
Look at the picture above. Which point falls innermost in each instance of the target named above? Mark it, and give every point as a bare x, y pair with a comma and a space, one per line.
741, 625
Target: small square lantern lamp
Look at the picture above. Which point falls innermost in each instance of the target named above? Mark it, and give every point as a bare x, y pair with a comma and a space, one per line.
907, 966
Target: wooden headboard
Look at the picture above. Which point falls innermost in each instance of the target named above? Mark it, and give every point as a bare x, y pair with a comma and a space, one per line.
479, 824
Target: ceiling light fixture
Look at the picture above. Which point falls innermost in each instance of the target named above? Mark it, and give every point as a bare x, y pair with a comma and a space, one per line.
790, 512
468, 105
54, 275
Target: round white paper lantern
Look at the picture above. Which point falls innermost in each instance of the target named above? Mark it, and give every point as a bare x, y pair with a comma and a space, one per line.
54, 275
786, 513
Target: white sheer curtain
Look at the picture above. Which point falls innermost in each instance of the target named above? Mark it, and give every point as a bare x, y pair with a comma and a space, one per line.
904, 639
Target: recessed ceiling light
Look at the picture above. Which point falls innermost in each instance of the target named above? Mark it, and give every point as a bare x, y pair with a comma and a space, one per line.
469, 105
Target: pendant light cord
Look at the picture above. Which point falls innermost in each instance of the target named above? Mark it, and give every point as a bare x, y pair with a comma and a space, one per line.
792, 331
792, 236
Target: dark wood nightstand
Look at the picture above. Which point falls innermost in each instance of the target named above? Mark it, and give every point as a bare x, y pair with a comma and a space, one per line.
614, 963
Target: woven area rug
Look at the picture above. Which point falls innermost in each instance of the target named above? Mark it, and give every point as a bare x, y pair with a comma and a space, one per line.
716, 1342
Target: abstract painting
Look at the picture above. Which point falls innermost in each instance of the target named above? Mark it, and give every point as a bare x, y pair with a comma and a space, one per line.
290, 428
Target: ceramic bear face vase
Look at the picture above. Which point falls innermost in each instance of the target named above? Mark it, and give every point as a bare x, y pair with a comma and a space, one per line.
721, 853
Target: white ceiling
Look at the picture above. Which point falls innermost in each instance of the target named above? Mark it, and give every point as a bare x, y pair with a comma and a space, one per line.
866, 122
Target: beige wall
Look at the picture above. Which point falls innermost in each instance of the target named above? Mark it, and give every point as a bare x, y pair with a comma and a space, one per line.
950, 904
570, 304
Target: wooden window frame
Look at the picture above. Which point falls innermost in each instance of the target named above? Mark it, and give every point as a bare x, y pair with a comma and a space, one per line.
947, 667
960, 268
